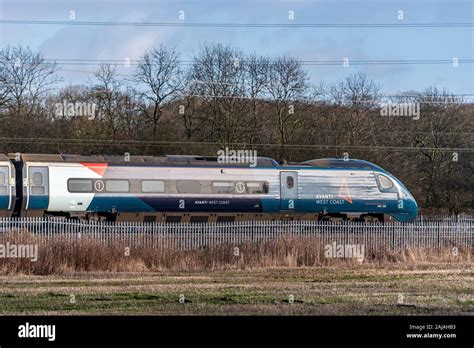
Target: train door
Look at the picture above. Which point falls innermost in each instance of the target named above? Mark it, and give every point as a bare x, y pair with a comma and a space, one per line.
38, 188
288, 190
6, 192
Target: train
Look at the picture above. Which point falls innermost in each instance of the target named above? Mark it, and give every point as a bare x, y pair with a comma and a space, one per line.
193, 189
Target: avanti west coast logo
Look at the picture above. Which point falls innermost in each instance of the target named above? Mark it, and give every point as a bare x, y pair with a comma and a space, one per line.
37, 331
237, 156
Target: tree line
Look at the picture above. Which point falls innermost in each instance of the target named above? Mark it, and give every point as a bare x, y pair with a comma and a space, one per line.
223, 97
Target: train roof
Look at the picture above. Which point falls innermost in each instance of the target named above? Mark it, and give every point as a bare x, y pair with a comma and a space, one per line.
339, 163
178, 160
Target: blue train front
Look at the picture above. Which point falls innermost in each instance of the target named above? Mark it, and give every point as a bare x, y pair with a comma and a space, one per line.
200, 189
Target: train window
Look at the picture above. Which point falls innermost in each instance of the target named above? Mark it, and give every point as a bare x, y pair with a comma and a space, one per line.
3, 180
188, 186
153, 186
290, 182
117, 185
385, 182
222, 187
79, 185
257, 187
37, 179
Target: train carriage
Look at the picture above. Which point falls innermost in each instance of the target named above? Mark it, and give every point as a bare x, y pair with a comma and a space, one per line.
199, 189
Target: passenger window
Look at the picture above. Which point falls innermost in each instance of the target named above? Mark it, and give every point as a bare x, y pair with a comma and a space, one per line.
79, 185
290, 182
2, 179
188, 186
257, 187
385, 182
222, 187
153, 186
117, 185
37, 179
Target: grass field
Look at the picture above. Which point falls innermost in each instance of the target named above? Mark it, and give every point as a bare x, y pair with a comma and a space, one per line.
422, 289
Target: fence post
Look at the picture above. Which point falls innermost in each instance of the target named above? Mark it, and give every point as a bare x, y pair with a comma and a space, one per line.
439, 235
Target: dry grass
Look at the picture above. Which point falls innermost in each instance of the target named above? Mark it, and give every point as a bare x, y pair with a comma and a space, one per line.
428, 289
89, 255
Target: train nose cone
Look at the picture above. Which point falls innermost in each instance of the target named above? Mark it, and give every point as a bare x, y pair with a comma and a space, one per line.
411, 210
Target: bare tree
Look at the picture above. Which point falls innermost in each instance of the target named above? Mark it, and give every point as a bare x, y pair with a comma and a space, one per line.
25, 78
357, 95
159, 80
217, 77
287, 86
4, 97
257, 70
191, 111
440, 118
107, 93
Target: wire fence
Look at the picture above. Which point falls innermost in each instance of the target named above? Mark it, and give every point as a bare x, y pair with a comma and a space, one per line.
180, 236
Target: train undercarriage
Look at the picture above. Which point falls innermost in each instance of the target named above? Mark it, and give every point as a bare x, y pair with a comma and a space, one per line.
176, 217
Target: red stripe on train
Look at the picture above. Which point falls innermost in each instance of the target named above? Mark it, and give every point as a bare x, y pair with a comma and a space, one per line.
99, 168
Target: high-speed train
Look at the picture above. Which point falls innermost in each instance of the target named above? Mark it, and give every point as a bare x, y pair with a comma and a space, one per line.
199, 189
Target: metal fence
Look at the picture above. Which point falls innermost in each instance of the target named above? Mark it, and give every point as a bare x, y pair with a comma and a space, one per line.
445, 218
179, 236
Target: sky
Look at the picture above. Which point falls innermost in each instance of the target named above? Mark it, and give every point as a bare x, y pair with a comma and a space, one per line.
114, 42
